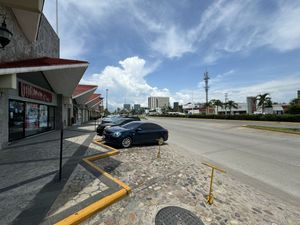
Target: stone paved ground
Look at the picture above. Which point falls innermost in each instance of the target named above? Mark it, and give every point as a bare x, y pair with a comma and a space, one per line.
175, 180
28, 170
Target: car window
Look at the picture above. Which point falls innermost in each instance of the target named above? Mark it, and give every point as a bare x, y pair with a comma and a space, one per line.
131, 125
150, 126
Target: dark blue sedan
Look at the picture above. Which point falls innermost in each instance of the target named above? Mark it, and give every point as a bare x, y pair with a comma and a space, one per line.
133, 133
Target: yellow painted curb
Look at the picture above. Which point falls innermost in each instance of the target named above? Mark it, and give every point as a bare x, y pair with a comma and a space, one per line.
88, 211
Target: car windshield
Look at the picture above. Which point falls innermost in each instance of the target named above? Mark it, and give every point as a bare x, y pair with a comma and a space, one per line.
131, 125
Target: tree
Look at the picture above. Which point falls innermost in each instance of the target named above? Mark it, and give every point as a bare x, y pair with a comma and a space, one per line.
264, 100
294, 106
231, 104
217, 103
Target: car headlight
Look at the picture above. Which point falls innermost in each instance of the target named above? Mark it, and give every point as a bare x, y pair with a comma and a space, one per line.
107, 127
117, 134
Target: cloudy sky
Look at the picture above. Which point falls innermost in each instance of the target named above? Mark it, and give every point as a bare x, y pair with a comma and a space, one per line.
141, 48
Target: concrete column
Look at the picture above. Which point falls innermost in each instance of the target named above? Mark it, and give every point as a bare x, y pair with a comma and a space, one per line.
3, 118
59, 112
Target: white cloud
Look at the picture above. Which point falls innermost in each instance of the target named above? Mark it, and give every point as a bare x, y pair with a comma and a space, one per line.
126, 83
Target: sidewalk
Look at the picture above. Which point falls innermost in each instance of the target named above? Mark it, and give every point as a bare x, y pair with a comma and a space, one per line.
29, 185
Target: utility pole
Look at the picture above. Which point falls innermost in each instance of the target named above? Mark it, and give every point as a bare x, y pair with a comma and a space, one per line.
106, 100
206, 87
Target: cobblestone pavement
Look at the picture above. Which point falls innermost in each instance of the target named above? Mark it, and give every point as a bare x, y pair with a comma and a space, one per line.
174, 180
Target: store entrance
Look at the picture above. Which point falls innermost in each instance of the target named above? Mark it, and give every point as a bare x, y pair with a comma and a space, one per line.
16, 120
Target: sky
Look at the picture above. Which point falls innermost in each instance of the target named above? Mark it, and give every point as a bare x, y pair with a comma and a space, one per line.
142, 48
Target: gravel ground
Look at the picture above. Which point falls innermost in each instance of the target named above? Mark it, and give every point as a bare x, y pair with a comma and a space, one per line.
174, 180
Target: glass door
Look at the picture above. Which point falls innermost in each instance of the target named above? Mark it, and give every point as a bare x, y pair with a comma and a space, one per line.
16, 119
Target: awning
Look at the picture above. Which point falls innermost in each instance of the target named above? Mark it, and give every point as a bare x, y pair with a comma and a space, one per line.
97, 103
92, 100
63, 75
28, 14
82, 93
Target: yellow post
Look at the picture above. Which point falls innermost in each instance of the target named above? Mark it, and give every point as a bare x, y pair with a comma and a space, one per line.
210, 197
158, 153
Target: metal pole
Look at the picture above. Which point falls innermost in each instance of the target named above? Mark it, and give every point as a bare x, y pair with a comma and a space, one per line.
106, 99
61, 151
56, 17
210, 198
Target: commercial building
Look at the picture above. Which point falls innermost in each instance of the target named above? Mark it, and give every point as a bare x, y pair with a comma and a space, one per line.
127, 107
36, 86
251, 105
158, 102
176, 106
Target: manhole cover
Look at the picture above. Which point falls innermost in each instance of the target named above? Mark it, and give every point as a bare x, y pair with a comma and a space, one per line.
173, 215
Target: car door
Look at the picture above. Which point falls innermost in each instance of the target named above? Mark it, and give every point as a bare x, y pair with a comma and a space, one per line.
146, 133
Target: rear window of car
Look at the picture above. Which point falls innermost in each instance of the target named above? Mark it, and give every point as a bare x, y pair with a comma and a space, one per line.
151, 126
131, 125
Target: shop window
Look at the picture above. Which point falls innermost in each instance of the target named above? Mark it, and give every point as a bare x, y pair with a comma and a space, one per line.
51, 124
31, 119
43, 118
16, 120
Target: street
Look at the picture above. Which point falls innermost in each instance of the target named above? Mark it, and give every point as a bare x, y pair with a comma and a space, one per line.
267, 160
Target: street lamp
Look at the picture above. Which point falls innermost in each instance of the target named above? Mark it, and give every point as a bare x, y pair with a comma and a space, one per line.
107, 100
5, 34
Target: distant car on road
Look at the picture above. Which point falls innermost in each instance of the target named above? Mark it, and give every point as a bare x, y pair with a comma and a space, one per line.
117, 122
133, 133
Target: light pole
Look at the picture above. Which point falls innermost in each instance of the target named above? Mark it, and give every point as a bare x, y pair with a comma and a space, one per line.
106, 99
206, 78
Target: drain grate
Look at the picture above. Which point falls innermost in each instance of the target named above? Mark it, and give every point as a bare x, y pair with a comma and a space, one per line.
173, 215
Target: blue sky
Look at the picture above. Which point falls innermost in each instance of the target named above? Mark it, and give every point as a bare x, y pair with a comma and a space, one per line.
145, 48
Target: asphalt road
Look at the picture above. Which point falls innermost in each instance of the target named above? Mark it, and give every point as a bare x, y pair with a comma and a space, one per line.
267, 160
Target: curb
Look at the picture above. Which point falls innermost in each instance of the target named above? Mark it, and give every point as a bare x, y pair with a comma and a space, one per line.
97, 206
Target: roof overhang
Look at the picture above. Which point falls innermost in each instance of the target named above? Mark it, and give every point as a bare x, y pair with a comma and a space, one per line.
58, 75
83, 97
28, 5
28, 14
94, 102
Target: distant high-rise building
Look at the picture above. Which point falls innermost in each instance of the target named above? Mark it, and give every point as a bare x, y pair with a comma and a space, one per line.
158, 102
298, 94
137, 107
176, 106
127, 107
251, 105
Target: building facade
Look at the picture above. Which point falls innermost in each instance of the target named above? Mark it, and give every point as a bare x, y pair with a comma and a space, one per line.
36, 85
158, 102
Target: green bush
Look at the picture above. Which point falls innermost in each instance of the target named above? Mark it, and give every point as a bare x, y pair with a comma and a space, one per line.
267, 117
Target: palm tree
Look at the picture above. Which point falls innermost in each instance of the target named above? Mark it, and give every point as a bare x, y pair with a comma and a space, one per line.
264, 100
231, 104
217, 103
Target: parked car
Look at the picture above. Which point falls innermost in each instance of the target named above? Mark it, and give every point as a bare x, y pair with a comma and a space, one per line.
133, 133
118, 122
110, 119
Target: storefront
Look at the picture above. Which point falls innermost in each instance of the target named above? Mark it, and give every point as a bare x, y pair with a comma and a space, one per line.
35, 96
30, 112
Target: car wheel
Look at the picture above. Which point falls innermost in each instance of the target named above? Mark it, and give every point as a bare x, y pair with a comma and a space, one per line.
161, 141
126, 142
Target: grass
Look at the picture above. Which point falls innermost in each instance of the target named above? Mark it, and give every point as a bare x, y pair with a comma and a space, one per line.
276, 129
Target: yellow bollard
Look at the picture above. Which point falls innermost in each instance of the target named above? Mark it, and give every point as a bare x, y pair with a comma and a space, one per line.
159, 144
210, 197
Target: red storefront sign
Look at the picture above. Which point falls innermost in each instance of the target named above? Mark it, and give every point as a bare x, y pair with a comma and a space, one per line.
28, 91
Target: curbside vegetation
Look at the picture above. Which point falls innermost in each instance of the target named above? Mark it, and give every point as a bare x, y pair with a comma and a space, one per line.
267, 117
